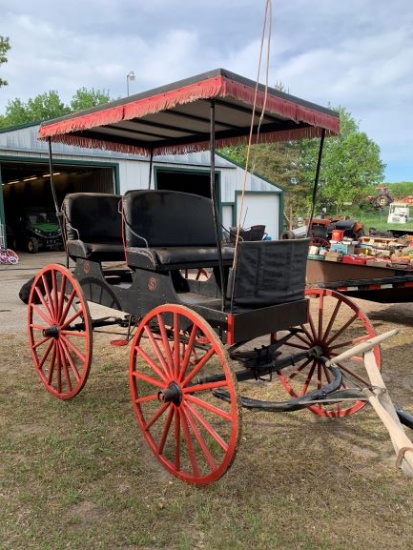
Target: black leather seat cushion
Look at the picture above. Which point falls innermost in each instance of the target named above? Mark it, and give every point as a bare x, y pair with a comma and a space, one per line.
177, 257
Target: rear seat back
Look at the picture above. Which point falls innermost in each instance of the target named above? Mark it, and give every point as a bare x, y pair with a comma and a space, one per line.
167, 219
93, 217
93, 226
168, 230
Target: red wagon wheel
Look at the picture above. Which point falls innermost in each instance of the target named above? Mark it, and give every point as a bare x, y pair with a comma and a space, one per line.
60, 331
336, 324
176, 363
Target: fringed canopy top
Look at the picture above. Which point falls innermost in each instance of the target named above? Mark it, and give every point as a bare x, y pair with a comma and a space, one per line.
177, 118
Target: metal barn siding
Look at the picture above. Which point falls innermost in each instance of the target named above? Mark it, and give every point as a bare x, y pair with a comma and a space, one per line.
132, 172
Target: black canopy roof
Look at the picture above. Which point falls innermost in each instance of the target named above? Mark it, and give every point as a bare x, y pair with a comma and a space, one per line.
177, 118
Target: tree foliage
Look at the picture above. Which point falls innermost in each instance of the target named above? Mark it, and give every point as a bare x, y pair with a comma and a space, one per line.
4, 48
350, 164
85, 99
42, 107
49, 105
401, 189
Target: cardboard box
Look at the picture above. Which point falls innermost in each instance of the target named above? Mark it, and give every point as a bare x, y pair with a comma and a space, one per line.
345, 248
333, 256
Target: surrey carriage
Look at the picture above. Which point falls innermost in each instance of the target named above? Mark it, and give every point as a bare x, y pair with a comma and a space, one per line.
196, 343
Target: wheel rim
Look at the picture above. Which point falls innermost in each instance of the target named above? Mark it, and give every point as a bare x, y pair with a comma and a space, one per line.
199, 274
319, 241
12, 257
60, 333
193, 434
335, 324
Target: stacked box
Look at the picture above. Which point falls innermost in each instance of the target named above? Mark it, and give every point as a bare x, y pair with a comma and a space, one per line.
345, 248
333, 256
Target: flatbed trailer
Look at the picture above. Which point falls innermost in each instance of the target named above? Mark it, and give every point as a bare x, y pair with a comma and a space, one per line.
377, 284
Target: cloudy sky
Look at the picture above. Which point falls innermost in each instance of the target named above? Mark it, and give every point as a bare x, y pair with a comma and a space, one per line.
353, 53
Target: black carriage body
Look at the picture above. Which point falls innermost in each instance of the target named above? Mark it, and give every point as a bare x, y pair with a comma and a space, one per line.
256, 287
264, 294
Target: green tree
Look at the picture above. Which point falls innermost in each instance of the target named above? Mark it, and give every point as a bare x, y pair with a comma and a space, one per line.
401, 189
85, 99
351, 164
42, 107
4, 48
49, 105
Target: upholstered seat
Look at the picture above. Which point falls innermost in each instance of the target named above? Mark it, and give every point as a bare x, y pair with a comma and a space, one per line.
93, 226
177, 257
168, 230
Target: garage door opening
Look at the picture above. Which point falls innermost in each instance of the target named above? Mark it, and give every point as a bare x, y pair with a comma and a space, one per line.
189, 181
26, 186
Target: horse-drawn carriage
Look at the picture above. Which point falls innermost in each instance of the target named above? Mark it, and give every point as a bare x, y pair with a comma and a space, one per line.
197, 344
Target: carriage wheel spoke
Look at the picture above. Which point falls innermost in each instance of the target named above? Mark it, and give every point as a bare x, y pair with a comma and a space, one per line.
199, 438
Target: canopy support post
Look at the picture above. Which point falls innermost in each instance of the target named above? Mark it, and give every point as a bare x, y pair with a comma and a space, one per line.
150, 169
55, 201
317, 176
52, 185
215, 199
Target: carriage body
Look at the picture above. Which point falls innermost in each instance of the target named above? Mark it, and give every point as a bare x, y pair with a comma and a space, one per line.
161, 236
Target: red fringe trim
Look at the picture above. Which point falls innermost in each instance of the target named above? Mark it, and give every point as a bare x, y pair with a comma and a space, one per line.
109, 116
213, 87
287, 135
201, 90
283, 107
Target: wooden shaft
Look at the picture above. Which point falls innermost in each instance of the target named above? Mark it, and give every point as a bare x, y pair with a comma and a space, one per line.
383, 405
361, 348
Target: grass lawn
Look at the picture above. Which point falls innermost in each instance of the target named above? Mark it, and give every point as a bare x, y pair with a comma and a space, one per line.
78, 474
374, 218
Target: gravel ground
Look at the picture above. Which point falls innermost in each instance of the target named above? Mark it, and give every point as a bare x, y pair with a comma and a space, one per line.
12, 277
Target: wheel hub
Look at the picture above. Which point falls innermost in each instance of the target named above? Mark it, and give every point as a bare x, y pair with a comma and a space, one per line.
51, 332
172, 394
